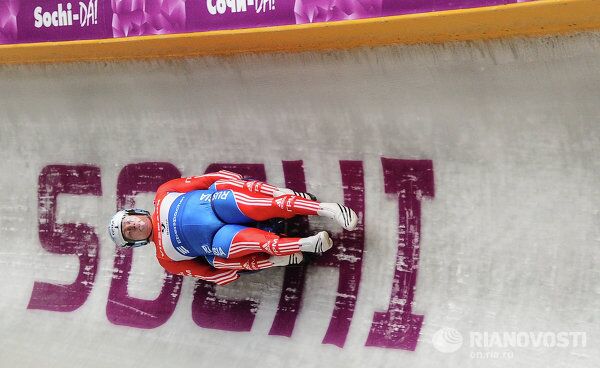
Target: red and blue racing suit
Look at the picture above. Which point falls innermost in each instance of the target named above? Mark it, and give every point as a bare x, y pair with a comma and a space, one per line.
200, 225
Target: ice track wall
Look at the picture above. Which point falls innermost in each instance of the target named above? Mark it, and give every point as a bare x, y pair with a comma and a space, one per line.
474, 167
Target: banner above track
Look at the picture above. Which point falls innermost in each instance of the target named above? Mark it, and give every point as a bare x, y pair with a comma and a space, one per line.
24, 21
71, 30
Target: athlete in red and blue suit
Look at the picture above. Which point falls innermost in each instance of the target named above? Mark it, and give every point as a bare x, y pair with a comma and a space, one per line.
200, 226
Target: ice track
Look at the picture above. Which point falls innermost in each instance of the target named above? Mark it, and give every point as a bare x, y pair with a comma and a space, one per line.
475, 168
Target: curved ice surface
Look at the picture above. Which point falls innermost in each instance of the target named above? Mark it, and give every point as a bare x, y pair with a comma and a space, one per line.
474, 168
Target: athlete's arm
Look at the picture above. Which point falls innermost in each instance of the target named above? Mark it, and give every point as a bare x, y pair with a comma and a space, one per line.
183, 185
199, 269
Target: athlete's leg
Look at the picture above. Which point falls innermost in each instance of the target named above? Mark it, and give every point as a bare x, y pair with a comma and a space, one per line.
239, 207
235, 241
255, 261
242, 207
260, 208
255, 186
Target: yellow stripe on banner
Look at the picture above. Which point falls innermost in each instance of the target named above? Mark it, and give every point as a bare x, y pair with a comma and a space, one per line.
535, 18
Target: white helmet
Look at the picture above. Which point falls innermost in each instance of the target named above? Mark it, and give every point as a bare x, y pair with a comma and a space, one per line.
115, 231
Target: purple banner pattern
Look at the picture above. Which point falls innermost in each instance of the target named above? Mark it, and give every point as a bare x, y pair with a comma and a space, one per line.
397, 328
150, 17
25, 21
